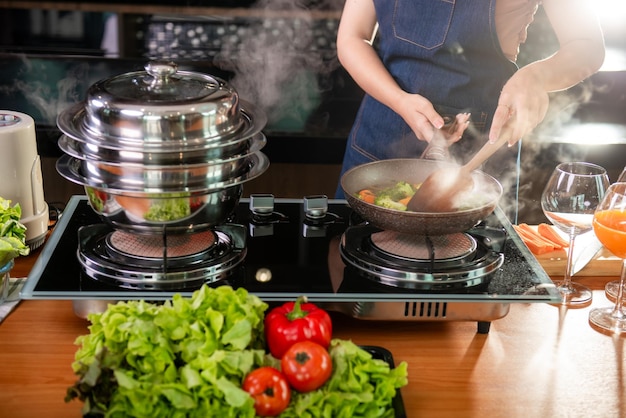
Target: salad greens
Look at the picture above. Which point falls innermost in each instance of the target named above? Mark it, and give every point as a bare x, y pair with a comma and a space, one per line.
168, 209
360, 386
12, 232
188, 357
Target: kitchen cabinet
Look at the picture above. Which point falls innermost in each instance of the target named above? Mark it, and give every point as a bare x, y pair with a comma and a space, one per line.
137, 17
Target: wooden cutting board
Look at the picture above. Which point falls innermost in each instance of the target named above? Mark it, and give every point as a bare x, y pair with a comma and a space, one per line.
603, 264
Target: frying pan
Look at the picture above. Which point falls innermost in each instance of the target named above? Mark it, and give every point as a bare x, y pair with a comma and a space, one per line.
386, 173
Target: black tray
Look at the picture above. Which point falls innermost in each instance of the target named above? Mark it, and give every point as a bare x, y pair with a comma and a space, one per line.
385, 355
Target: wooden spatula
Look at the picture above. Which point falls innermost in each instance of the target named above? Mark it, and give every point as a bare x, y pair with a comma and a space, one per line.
440, 189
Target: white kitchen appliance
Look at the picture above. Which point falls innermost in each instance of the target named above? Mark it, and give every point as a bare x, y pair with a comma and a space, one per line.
21, 179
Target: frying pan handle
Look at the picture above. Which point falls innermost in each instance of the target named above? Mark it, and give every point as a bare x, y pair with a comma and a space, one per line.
437, 149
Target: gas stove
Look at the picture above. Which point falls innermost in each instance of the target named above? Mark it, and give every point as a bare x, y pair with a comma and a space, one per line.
280, 249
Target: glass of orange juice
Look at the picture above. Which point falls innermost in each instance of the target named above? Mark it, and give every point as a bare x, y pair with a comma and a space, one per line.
612, 287
609, 225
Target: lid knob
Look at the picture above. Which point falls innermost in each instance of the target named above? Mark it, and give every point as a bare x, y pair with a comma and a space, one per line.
160, 71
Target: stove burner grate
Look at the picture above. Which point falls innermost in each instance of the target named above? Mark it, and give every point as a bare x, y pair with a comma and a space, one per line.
422, 263
439, 250
154, 249
152, 262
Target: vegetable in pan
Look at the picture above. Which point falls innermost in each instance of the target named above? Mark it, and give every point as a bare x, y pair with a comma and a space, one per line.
398, 196
394, 197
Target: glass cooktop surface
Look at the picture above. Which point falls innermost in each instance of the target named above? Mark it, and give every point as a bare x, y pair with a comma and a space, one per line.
289, 256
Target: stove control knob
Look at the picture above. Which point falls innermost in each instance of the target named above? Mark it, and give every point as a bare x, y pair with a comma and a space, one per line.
262, 204
316, 207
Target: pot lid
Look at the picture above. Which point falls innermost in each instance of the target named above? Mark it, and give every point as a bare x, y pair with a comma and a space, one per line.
160, 83
160, 105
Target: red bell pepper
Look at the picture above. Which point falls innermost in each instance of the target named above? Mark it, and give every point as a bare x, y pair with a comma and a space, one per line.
296, 321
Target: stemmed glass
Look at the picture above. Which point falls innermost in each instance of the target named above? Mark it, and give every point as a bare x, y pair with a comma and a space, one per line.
569, 200
612, 287
609, 225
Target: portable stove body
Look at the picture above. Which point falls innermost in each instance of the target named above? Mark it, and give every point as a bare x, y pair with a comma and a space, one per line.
280, 249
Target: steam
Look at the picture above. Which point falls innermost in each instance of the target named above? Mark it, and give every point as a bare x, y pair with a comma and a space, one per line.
50, 99
539, 151
278, 62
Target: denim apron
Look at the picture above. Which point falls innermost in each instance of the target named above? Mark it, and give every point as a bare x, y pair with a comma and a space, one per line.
447, 51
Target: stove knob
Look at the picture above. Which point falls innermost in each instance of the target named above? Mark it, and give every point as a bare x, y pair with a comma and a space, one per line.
262, 204
316, 207
263, 216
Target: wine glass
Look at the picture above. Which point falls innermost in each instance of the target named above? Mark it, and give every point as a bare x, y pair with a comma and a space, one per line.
569, 200
609, 225
612, 287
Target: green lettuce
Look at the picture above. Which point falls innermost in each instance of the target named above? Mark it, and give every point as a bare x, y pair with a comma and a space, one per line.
12, 232
360, 386
185, 357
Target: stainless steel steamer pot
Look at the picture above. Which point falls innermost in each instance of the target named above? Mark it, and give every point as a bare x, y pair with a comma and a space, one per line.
162, 148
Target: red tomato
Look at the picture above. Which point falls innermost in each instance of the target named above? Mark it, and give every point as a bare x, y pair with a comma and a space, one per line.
307, 366
296, 321
270, 390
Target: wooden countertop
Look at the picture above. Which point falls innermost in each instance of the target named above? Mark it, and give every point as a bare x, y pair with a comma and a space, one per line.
538, 361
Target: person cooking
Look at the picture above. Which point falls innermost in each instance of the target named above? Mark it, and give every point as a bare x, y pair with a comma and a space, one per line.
436, 59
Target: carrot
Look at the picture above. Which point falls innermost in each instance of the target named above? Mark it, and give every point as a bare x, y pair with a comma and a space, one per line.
405, 201
548, 232
539, 237
366, 195
535, 246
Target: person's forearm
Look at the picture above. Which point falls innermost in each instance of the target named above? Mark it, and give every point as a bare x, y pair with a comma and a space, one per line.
581, 45
569, 66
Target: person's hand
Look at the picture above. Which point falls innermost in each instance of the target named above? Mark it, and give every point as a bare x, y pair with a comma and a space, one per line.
419, 113
522, 105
